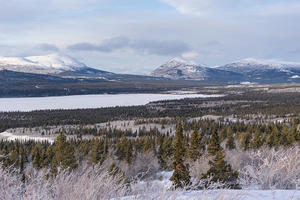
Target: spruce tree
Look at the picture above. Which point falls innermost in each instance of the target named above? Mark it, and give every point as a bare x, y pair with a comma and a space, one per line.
230, 143
121, 146
284, 136
214, 144
64, 154
36, 156
221, 172
245, 140
195, 149
256, 142
48, 157
96, 153
293, 134
180, 176
273, 140
146, 145
128, 152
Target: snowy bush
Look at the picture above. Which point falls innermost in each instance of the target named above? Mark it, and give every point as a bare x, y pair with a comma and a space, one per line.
84, 183
144, 163
200, 166
268, 168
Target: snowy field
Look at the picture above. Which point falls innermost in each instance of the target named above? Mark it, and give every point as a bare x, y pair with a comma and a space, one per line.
159, 189
220, 195
89, 101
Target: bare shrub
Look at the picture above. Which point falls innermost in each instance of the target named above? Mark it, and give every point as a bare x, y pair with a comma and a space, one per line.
145, 164
268, 168
9, 184
200, 166
83, 183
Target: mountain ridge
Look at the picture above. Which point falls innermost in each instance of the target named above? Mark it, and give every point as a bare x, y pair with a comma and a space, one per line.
53, 64
245, 70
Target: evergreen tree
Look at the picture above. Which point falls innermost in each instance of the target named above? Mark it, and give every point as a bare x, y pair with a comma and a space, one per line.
106, 147
214, 144
245, 140
256, 142
293, 134
121, 146
230, 143
195, 149
164, 151
146, 145
221, 172
273, 140
128, 152
63, 154
284, 136
180, 176
96, 153
37, 157
48, 157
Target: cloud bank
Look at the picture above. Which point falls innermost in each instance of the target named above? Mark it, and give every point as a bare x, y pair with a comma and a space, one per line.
161, 48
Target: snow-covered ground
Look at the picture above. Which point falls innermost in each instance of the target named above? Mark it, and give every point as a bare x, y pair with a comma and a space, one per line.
159, 189
89, 101
221, 195
12, 137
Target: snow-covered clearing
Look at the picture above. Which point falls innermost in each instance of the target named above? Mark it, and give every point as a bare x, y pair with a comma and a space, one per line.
12, 137
89, 101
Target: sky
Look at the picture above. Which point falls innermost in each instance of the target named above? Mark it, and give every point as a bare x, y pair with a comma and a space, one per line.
136, 36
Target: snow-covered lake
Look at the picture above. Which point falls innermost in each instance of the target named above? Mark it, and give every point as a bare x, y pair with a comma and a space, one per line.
89, 101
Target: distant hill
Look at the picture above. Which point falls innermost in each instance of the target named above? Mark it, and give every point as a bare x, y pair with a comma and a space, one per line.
247, 70
53, 64
259, 71
179, 69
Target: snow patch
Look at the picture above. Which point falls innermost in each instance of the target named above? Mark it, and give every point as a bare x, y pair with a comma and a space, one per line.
47, 64
11, 137
295, 76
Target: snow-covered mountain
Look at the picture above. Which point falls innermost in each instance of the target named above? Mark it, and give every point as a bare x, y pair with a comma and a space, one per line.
250, 64
246, 70
179, 69
265, 71
47, 64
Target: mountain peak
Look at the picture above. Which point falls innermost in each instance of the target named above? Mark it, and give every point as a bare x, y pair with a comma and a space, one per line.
45, 64
181, 61
178, 68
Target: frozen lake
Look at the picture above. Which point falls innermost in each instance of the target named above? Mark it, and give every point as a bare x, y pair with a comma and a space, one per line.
88, 101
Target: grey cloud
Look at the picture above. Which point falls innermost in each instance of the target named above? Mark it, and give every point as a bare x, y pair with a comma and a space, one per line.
48, 47
165, 48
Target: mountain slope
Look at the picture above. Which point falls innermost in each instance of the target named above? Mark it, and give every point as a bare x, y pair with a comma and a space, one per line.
265, 71
48, 64
178, 69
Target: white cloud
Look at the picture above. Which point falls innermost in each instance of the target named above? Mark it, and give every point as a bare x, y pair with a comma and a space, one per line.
231, 7
190, 55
